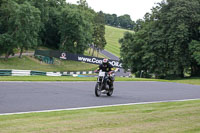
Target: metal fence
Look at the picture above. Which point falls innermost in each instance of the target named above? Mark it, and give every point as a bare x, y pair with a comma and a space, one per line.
32, 73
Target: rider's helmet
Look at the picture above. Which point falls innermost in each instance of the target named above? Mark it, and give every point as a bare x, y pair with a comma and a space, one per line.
105, 61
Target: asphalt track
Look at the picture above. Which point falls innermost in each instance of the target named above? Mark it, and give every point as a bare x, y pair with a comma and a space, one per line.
38, 96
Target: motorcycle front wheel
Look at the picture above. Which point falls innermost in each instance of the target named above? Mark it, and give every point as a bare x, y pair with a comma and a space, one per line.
97, 90
110, 92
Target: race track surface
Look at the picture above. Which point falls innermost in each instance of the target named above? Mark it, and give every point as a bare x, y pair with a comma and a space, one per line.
38, 96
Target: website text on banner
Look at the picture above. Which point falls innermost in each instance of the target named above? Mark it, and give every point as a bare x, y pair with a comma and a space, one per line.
76, 57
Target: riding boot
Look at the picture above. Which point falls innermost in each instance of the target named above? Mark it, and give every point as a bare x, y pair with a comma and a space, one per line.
111, 84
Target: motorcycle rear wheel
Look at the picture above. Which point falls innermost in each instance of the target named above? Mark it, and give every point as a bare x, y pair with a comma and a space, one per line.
97, 90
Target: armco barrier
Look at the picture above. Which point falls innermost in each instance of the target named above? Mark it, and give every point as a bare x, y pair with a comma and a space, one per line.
32, 73
21, 72
38, 73
5, 72
54, 74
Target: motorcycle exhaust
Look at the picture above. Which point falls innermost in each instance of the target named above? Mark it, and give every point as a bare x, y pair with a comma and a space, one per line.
104, 91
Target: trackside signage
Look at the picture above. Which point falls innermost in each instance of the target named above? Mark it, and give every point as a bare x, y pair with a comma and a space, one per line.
76, 57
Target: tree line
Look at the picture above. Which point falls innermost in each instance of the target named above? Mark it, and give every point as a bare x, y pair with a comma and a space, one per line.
26, 24
123, 21
166, 43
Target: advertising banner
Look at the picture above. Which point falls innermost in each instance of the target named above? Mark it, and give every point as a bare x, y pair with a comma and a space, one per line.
76, 57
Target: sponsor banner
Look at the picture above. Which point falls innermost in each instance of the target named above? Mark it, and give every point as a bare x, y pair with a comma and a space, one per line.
76, 57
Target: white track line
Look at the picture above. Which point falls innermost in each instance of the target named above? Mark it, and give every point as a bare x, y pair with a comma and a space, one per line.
93, 107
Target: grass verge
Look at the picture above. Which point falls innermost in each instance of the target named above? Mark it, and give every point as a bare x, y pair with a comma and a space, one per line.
170, 117
45, 78
194, 81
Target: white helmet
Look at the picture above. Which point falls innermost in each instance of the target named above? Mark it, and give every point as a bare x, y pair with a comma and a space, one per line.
105, 61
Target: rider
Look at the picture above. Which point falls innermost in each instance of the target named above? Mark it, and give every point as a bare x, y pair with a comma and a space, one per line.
107, 67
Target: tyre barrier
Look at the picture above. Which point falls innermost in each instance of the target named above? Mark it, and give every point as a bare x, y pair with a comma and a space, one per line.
40, 73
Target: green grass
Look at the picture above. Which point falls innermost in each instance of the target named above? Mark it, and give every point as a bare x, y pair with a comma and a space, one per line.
30, 63
66, 78
89, 53
194, 81
45, 78
172, 117
112, 37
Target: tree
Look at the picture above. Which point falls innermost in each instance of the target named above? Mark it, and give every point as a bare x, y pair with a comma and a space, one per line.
179, 20
27, 22
109, 19
166, 41
126, 22
51, 36
128, 50
83, 4
138, 25
133, 52
194, 48
8, 11
99, 40
53, 23
75, 27
116, 22
20, 26
7, 45
123, 21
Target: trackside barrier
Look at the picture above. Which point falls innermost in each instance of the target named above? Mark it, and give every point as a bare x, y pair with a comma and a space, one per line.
38, 73
5, 72
21, 72
54, 74
32, 73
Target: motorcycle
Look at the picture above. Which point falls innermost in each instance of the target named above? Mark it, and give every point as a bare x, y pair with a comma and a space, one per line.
103, 85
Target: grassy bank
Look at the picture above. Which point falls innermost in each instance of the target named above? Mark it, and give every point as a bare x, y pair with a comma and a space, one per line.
112, 37
30, 63
152, 118
96, 54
